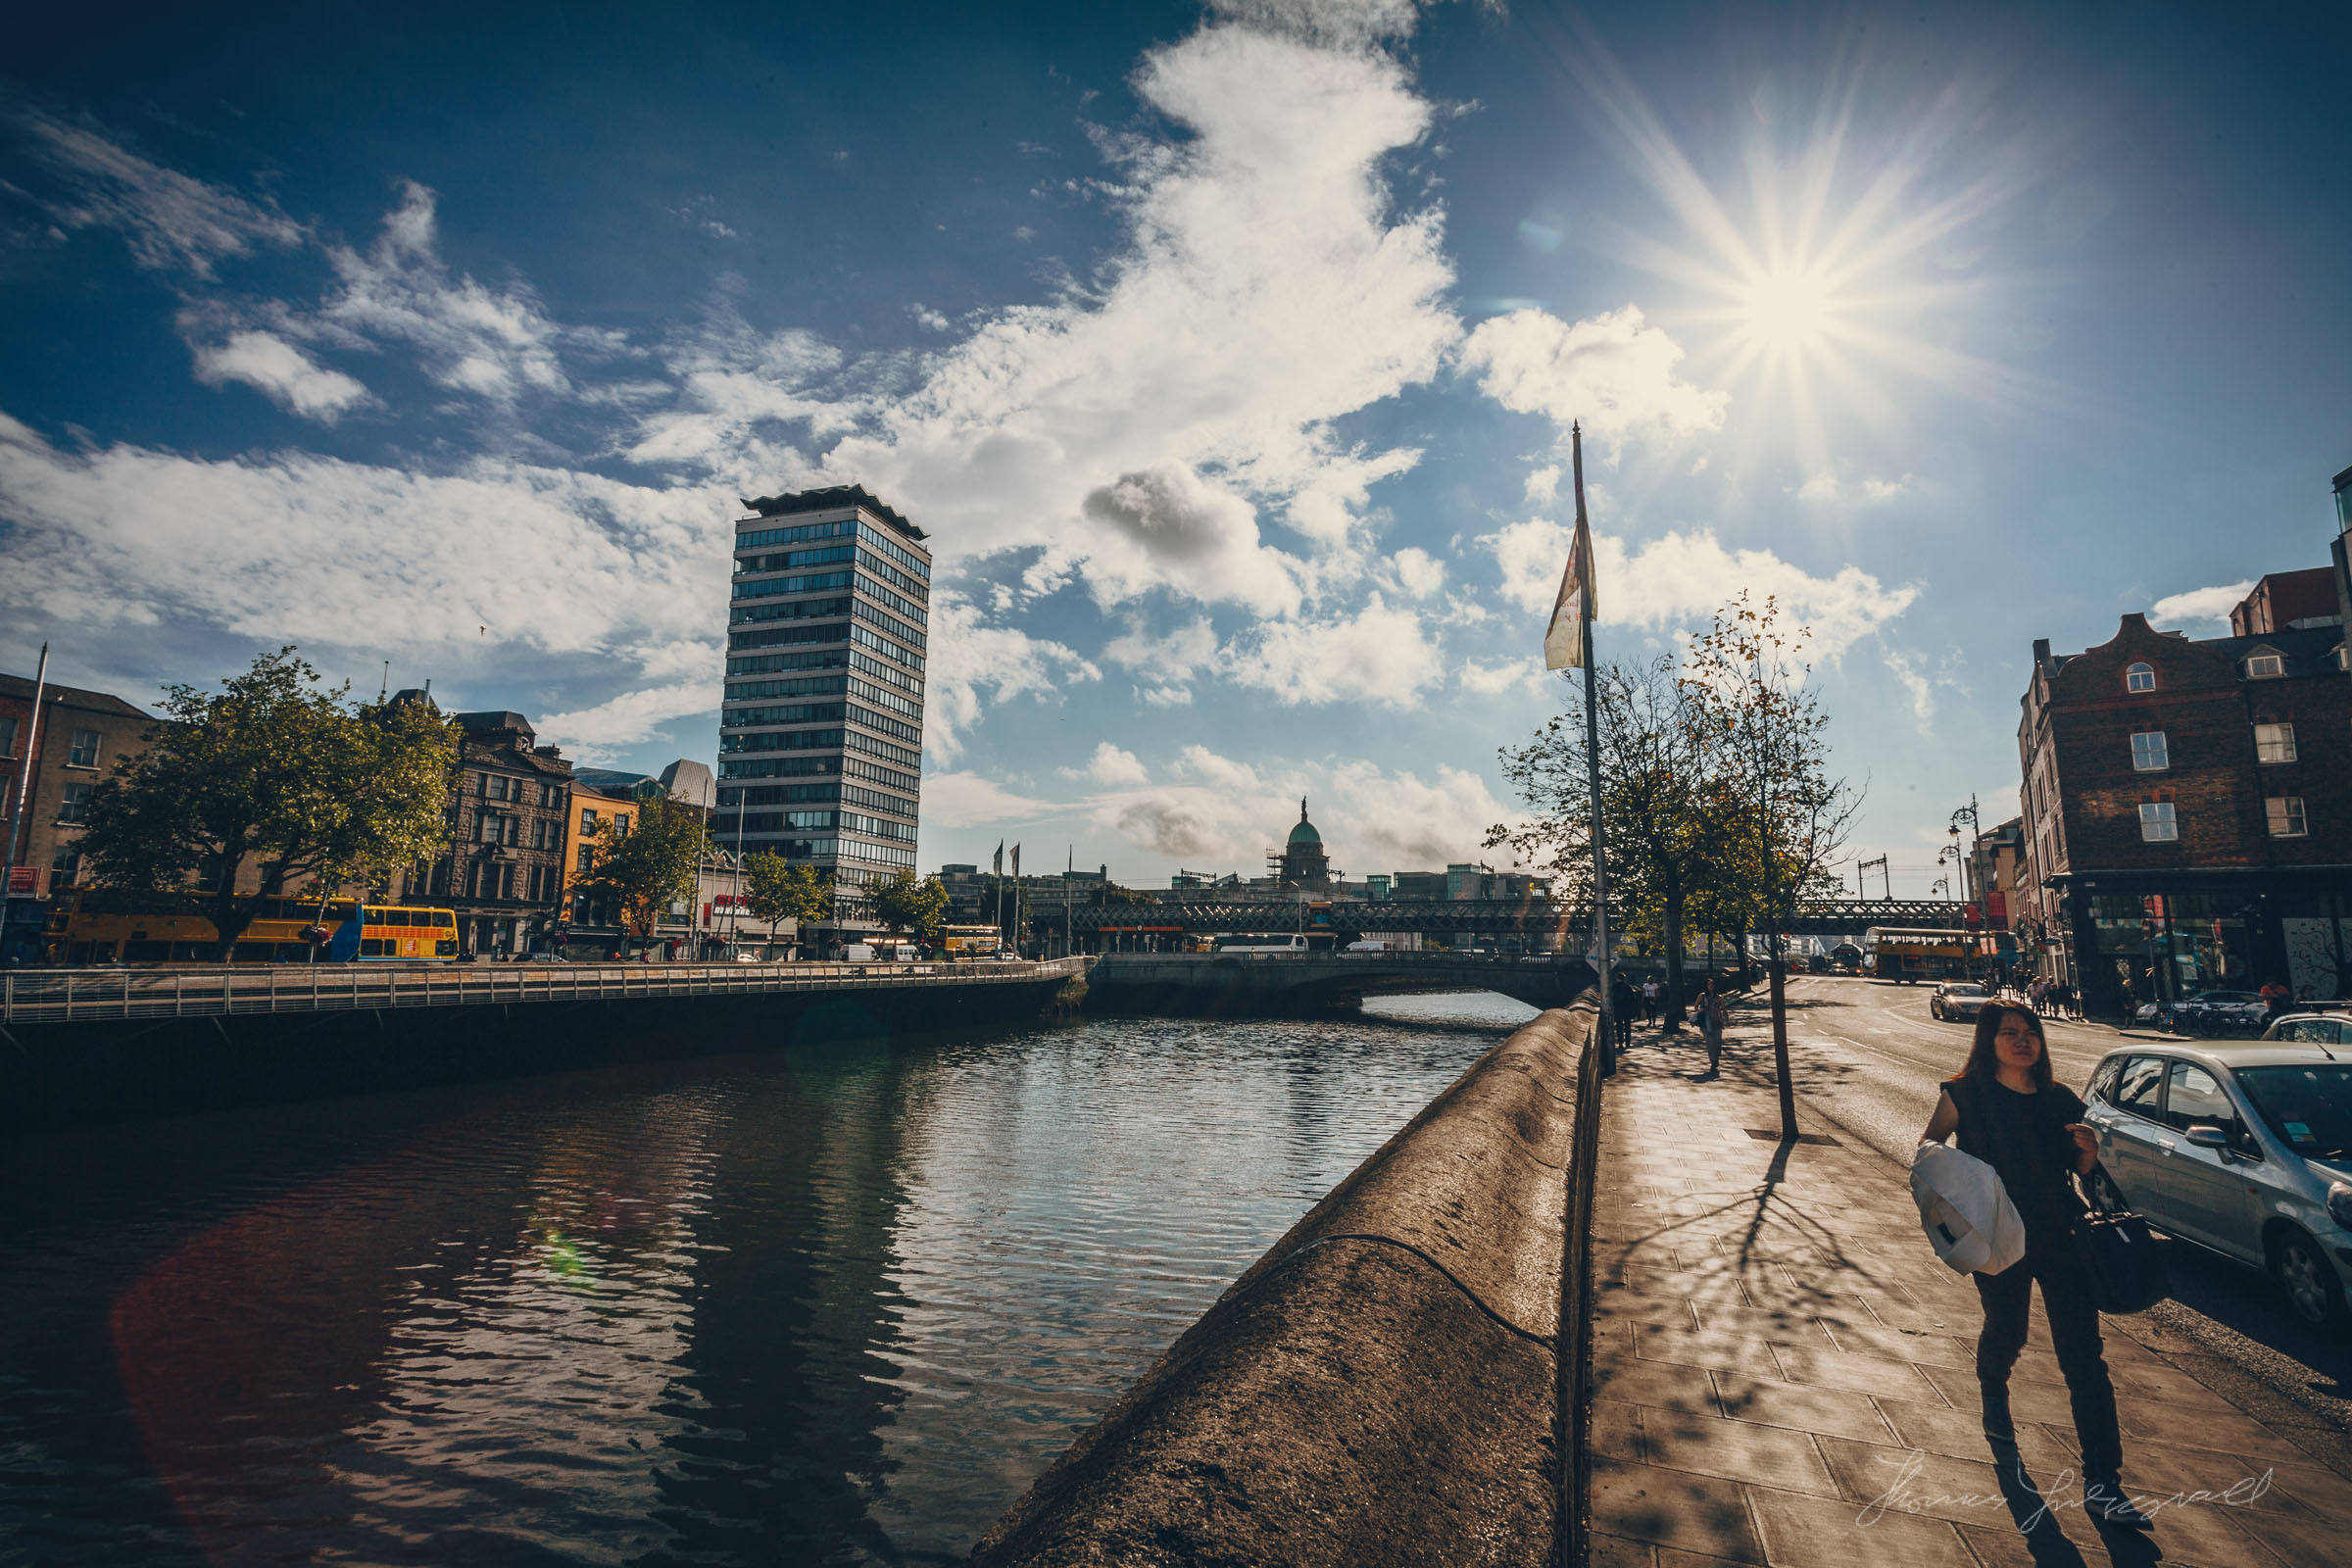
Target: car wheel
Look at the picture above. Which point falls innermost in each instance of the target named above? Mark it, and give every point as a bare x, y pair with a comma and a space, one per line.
2313, 1291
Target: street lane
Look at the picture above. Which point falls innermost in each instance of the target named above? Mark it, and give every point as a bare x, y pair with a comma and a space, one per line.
1866, 1055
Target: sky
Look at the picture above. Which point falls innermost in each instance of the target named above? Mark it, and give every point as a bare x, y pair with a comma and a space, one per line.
1227, 354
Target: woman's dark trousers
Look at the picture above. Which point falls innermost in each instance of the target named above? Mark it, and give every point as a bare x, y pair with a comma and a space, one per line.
2074, 1334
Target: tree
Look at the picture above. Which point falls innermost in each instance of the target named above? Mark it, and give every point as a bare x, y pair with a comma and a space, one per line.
1746, 686
1665, 826
904, 904
276, 776
647, 867
776, 890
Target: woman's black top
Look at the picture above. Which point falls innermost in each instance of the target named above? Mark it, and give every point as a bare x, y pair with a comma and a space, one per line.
2024, 1138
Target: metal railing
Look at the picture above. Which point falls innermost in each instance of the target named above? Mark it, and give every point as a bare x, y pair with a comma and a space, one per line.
78, 995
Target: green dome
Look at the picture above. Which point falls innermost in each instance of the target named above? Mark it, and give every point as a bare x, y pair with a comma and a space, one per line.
1304, 832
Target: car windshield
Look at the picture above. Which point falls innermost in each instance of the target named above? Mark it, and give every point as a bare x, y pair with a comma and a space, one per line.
2309, 1107
1962, 991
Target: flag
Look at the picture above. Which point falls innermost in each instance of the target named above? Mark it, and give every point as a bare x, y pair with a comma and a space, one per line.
1000, 856
1564, 638
1016, 862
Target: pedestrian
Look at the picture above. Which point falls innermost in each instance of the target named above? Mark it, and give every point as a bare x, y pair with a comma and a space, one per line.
2012, 1114
1649, 1001
1623, 1001
2275, 998
1712, 1016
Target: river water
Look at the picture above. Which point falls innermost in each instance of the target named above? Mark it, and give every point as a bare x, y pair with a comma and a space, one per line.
800, 1306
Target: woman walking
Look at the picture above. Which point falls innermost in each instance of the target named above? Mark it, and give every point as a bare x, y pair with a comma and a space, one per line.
1710, 1024
2013, 1115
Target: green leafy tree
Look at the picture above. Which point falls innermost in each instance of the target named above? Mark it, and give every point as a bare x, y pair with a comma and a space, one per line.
645, 867
275, 775
776, 890
905, 905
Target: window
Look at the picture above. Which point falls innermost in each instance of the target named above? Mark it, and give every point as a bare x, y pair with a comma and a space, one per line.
2275, 743
2140, 678
75, 806
2285, 812
2157, 822
587, 855
2265, 667
2148, 753
543, 833
65, 866
8, 736
2195, 1100
2138, 1089
587, 819
84, 751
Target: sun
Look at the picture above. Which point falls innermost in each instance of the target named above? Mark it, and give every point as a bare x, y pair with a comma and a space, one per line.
1788, 309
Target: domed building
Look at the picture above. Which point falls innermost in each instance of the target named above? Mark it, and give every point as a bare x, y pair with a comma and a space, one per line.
1303, 862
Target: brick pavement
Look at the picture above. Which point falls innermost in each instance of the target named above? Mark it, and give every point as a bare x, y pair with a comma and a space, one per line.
1783, 1372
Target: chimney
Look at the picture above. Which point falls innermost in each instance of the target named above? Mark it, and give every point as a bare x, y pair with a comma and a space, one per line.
2041, 650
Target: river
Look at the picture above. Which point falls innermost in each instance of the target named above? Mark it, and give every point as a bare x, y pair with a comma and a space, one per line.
831, 1305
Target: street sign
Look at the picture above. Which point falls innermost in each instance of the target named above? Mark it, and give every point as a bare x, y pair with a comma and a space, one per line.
24, 879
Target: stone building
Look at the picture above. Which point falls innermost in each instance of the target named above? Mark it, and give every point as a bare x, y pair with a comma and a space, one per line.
80, 736
1302, 862
2187, 809
503, 872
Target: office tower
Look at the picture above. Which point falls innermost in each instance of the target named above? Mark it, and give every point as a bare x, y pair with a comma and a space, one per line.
820, 737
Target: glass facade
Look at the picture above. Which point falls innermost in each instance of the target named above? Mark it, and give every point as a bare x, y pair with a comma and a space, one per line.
858, 747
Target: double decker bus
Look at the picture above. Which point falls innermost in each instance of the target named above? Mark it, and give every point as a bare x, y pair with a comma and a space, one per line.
1249, 942
104, 925
970, 941
1893, 952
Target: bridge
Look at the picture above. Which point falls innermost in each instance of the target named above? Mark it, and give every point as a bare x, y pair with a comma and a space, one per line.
1487, 916
1232, 984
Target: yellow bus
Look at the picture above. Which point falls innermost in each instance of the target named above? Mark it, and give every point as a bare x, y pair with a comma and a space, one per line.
971, 941
102, 925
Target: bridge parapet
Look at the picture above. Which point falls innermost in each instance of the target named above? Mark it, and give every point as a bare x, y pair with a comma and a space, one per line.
1509, 916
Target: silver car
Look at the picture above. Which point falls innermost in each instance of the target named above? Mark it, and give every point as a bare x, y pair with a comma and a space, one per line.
2245, 1149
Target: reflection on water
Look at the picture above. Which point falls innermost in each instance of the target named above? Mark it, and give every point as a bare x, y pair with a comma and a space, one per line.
830, 1305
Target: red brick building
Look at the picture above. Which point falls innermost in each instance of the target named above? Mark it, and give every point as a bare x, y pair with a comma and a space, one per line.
2189, 806
82, 736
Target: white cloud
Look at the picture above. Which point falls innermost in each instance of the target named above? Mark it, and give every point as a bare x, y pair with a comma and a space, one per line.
1265, 290
1110, 764
1613, 372
2200, 604
967, 800
1377, 654
1825, 489
1904, 668
1168, 695
1191, 647
283, 372
1542, 484
1418, 572
968, 656
170, 219
1680, 579
604, 731
1488, 680
1339, 22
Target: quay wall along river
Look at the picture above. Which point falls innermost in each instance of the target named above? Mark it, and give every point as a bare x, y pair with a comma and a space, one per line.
1393, 1381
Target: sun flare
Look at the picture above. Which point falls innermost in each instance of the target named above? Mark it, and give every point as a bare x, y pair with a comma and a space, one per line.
1789, 310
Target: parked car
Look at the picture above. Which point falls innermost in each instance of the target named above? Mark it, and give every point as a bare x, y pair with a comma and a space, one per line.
2220, 1013
2313, 1028
1957, 1002
2242, 1149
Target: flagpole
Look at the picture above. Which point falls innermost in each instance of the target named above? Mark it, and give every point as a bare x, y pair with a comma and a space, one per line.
1600, 855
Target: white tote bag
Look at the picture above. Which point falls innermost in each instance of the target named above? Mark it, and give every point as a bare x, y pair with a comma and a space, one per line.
1965, 1211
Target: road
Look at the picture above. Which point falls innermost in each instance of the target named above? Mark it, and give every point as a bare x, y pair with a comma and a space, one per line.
1866, 1056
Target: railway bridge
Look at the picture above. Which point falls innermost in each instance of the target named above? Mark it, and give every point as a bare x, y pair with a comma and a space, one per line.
1559, 923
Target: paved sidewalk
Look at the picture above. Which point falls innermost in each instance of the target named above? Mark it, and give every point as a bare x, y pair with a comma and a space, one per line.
1783, 1373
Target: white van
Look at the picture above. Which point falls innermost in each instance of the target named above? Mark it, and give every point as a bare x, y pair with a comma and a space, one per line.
1371, 945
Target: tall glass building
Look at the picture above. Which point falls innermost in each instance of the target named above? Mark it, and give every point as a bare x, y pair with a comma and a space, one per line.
822, 734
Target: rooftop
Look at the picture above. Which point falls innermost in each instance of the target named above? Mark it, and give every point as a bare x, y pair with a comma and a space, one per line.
72, 697
830, 499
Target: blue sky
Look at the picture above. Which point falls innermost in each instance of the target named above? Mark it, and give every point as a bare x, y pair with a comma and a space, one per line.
1227, 354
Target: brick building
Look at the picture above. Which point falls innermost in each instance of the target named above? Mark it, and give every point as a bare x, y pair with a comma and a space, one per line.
82, 735
2188, 806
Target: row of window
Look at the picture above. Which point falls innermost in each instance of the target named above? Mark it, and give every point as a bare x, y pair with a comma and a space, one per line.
883, 672
894, 550
837, 849
888, 699
915, 586
787, 636
796, 610
2254, 666
889, 625
817, 766
786, 713
905, 607
508, 787
912, 734
797, 794
786, 559
2273, 743
770, 663
83, 752
866, 639
2159, 820
757, 538
778, 587
744, 691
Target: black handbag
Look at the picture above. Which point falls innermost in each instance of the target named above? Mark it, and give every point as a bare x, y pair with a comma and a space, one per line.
2120, 1257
